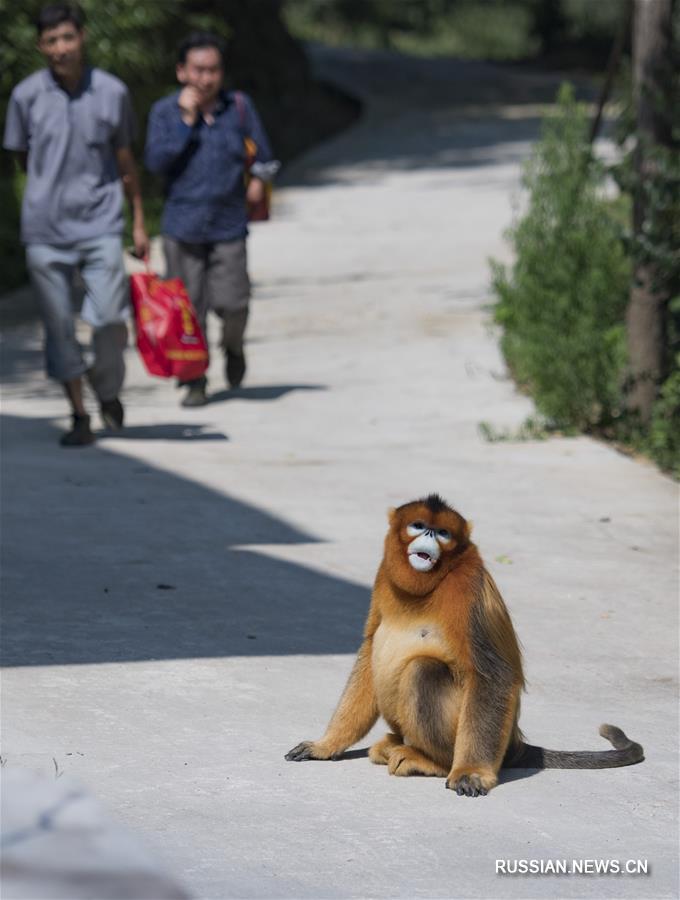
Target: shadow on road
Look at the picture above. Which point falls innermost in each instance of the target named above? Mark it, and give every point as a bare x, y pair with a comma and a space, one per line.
427, 139
430, 114
168, 431
504, 776
262, 392
22, 355
107, 558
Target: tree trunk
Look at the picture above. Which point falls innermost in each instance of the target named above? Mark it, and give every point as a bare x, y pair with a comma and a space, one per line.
645, 313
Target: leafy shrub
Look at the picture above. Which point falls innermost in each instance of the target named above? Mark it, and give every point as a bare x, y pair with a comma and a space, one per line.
490, 29
663, 440
562, 302
495, 31
584, 20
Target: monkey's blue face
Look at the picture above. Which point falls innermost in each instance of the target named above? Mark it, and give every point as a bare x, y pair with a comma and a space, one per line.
427, 545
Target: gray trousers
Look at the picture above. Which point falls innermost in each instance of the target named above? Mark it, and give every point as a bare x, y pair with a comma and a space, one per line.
216, 277
105, 308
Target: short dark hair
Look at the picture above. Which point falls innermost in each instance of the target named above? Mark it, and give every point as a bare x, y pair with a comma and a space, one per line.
58, 13
199, 40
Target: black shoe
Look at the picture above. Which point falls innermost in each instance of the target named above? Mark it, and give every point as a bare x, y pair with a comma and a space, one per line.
112, 413
80, 434
196, 395
235, 369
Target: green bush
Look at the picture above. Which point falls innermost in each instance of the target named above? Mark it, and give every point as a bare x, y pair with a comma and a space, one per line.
12, 266
495, 31
477, 29
562, 302
663, 440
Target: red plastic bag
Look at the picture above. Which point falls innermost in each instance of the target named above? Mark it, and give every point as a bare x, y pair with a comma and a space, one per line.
169, 338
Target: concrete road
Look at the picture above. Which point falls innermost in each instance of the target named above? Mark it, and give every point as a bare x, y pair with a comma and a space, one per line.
182, 602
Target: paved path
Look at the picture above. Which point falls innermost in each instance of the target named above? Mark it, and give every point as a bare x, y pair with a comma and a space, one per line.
182, 602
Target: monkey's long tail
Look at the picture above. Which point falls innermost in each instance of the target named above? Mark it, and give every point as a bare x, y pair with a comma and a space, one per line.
626, 753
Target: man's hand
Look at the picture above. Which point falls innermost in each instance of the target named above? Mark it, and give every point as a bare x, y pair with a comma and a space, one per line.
188, 102
255, 191
140, 239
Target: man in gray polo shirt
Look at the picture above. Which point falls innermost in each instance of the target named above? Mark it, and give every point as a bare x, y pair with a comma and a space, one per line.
72, 126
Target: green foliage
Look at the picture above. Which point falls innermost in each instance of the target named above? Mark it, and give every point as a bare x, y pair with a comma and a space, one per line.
562, 302
479, 29
656, 246
585, 19
490, 29
18, 53
12, 267
125, 37
663, 439
532, 429
495, 31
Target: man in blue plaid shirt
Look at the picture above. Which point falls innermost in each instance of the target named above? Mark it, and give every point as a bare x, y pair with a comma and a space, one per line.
195, 139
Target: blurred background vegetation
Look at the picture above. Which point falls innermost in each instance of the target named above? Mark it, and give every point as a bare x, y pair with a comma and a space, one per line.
136, 40
565, 303
562, 301
478, 29
562, 304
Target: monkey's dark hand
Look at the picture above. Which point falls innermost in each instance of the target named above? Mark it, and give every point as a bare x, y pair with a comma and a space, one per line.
467, 786
308, 750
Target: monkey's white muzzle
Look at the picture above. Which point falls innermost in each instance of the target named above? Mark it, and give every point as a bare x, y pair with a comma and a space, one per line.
424, 552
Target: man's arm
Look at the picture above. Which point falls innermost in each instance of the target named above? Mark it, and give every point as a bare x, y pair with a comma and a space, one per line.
16, 138
254, 129
265, 166
130, 179
169, 135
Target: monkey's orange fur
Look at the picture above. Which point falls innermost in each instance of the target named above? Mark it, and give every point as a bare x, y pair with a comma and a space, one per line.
439, 661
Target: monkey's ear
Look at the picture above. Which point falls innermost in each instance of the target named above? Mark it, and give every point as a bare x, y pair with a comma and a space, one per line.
468, 529
391, 514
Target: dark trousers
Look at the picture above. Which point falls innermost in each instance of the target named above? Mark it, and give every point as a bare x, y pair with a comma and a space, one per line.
216, 277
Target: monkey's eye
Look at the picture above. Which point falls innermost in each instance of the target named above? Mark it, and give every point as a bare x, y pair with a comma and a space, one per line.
444, 534
416, 528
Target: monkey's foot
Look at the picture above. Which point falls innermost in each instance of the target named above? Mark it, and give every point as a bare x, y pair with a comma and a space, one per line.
405, 760
380, 752
309, 750
471, 783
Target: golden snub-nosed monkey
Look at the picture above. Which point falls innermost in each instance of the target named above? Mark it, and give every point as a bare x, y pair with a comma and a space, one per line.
441, 664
